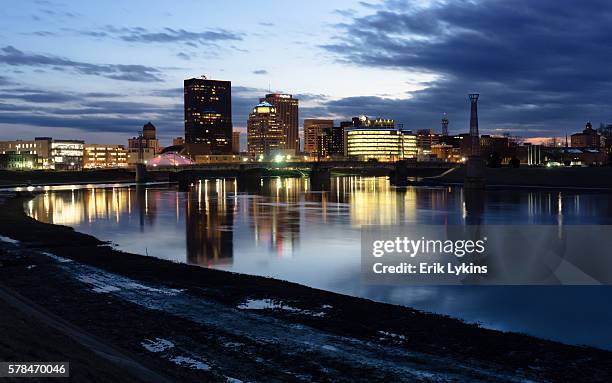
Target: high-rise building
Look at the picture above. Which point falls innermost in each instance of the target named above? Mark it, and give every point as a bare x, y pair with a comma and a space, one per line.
208, 114
235, 142
264, 131
313, 129
287, 111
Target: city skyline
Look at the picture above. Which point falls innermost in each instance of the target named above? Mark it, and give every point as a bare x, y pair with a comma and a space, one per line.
80, 70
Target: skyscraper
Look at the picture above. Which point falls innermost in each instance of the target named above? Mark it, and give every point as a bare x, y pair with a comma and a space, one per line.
313, 129
287, 111
264, 131
208, 114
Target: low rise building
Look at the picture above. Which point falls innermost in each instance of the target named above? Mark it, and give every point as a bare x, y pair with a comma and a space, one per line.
17, 161
39, 147
67, 154
104, 156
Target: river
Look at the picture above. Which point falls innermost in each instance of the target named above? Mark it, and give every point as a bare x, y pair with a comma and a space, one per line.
282, 229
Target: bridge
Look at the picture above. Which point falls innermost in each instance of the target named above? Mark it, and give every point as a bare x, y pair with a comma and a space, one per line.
318, 172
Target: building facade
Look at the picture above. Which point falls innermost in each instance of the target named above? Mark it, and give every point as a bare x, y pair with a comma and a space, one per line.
17, 161
67, 154
146, 144
208, 114
235, 142
39, 147
381, 144
287, 109
104, 156
313, 130
265, 135
589, 138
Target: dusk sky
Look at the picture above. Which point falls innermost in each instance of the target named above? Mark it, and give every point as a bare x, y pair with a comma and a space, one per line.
100, 70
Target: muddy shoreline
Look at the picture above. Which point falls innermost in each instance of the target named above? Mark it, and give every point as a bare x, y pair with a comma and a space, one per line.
372, 341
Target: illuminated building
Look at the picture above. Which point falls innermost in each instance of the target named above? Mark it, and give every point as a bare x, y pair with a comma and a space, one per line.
313, 129
409, 145
366, 122
208, 114
425, 139
146, 143
287, 112
220, 158
104, 156
236, 142
178, 141
17, 161
67, 154
446, 153
589, 138
382, 144
40, 147
264, 131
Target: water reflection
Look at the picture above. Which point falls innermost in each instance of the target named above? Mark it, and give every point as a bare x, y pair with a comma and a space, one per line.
280, 227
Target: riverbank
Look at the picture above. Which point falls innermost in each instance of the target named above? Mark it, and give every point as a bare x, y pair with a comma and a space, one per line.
195, 324
575, 178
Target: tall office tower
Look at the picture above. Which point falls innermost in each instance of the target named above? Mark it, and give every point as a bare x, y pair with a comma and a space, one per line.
208, 114
264, 131
445, 125
287, 110
235, 142
474, 136
313, 129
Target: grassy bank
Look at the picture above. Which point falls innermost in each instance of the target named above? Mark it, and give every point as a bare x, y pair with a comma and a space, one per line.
352, 340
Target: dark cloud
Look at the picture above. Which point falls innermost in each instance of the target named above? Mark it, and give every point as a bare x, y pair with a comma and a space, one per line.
171, 35
4, 81
90, 112
539, 66
12, 56
266, 24
183, 55
260, 71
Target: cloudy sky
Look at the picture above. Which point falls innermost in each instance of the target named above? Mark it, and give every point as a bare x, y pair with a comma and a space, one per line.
100, 70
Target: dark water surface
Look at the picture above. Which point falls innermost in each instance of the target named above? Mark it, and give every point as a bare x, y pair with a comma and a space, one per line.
280, 228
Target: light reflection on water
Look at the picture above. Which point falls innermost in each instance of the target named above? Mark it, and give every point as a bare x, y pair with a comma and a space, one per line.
280, 228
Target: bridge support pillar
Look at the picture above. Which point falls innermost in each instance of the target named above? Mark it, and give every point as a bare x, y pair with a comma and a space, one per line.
399, 174
141, 173
182, 179
475, 173
320, 178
